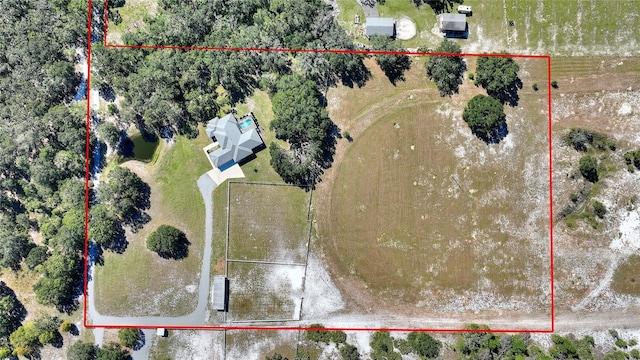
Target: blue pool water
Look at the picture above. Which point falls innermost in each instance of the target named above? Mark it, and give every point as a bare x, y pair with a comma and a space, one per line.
245, 123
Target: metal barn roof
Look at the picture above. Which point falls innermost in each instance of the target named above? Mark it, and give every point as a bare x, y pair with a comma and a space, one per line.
380, 26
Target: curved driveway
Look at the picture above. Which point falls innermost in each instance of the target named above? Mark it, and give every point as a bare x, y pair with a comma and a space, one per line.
197, 317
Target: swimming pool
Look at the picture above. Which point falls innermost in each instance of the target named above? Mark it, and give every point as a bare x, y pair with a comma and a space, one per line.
246, 123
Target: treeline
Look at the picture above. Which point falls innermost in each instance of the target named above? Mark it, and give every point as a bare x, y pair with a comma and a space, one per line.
42, 163
172, 91
479, 344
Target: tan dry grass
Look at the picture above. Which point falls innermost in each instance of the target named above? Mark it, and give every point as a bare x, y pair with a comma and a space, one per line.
397, 221
268, 222
626, 279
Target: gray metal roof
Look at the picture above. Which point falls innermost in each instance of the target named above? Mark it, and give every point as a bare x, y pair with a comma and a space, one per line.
380, 26
453, 22
234, 145
219, 297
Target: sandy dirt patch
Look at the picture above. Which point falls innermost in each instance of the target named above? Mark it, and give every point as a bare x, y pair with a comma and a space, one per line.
405, 28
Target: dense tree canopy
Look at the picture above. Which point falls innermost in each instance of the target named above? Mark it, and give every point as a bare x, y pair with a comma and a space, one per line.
393, 66
124, 193
424, 345
300, 119
446, 71
59, 285
168, 242
485, 116
12, 312
113, 351
105, 228
499, 75
82, 351
157, 99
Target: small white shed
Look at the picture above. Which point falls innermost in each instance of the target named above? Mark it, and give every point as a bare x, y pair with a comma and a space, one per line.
464, 9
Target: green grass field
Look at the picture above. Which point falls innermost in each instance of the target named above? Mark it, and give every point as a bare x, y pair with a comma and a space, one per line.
139, 282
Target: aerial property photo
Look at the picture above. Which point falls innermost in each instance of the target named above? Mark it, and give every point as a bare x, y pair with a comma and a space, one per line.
321, 179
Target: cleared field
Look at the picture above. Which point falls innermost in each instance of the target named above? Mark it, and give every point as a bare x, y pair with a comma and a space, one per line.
569, 27
264, 291
132, 15
626, 279
268, 222
260, 344
425, 214
139, 282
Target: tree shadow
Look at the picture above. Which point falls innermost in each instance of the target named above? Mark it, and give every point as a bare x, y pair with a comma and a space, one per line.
439, 6
356, 75
509, 95
137, 221
119, 242
95, 253
140, 343
107, 92
74, 330
57, 341
495, 135
394, 67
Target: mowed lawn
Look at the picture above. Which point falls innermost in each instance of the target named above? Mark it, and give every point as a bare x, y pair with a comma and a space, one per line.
268, 223
424, 213
139, 282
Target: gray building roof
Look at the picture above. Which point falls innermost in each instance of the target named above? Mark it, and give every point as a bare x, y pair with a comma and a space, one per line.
453, 22
380, 26
234, 144
219, 297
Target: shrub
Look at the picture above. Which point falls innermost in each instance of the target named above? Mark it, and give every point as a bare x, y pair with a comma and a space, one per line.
621, 344
554, 84
112, 109
349, 352
599, 209
589, 168
402, 345
635, 354
535, 86
347, 136
169, 242
471, 76
129, 337
424, 344
318, 335
338, 337
66, 326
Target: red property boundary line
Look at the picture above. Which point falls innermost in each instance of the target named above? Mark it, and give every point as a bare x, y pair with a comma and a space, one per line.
333, 51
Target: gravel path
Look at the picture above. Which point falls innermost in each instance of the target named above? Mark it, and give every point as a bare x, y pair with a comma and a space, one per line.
369, 7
